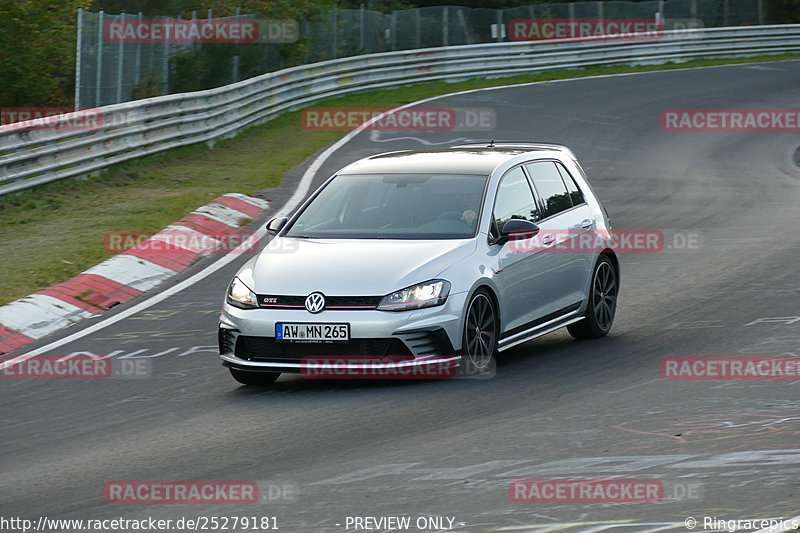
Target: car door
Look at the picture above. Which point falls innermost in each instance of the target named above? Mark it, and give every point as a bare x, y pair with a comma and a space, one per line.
525, 278
565, 216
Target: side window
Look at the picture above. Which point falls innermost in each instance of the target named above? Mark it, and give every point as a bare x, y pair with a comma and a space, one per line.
574, 192
550, 187
514, 200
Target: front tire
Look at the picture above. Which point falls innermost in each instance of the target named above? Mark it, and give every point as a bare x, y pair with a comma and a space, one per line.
479, 341
254, 378
602, 305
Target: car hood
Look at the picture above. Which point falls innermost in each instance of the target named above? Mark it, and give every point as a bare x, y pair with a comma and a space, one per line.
349, 267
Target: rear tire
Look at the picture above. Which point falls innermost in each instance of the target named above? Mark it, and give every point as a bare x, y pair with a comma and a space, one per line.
254, 378
602, 305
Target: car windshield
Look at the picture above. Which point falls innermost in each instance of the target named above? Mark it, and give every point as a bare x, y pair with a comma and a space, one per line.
394, 206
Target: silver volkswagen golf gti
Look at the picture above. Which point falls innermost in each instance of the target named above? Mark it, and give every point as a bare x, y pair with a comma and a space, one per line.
413, 258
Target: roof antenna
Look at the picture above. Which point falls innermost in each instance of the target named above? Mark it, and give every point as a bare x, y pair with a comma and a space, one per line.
491, 144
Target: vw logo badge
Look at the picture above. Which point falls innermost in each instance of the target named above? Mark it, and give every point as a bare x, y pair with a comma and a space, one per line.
315, 302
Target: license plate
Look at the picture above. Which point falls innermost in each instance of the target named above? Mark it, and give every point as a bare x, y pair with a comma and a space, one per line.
303, 332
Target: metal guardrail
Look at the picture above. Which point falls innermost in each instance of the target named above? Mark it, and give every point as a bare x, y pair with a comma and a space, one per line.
143, 127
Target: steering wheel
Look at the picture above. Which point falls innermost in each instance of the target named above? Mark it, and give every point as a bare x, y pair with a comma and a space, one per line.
450, 215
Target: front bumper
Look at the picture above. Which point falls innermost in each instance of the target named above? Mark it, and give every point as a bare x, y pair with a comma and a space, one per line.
422, 366
423, 338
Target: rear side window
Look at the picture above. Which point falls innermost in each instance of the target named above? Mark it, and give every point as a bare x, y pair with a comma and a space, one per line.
514, 199
550, 186
575, 193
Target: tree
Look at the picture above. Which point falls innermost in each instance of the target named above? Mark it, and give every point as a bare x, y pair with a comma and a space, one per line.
37, 52
783, 11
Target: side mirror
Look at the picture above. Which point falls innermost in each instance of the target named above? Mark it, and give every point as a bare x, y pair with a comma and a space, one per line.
517, 229
275, 225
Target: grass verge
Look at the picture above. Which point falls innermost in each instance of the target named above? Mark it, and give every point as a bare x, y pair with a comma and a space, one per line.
55, 231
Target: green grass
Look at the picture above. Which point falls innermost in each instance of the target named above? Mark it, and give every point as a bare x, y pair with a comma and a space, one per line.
56, 231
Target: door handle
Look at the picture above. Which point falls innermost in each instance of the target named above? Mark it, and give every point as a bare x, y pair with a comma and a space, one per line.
547, 240
587, 223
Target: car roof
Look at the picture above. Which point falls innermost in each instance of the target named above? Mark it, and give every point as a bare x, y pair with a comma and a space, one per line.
461, 159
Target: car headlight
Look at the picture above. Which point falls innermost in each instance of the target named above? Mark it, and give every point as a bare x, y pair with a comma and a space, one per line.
428, 294
240, 295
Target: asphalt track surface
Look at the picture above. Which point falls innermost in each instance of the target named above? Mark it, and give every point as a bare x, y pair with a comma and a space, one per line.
556, 408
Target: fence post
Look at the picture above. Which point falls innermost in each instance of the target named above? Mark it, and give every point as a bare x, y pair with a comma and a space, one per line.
335, 32
760, 11
417, 28
445, 27
393, 30
306, 29
500, 26
571, 19
600, 11
361, 29
165, 69
98, 85
78, 60
236, 53
120, 61
137, 73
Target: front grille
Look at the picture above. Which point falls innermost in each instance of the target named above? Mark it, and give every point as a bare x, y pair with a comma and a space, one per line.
273, 301
267, 349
